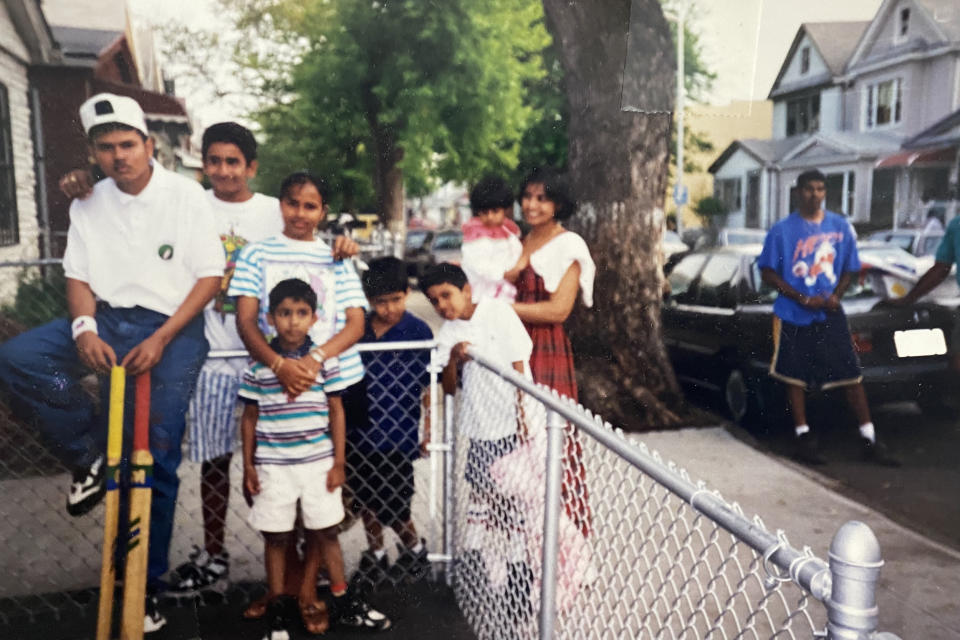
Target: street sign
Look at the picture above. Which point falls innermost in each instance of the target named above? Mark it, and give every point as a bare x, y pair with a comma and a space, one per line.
680, 194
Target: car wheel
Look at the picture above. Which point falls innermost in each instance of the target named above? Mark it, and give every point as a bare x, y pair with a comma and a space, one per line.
736, 394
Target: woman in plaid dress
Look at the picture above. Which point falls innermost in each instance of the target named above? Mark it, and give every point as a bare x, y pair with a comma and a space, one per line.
556, 264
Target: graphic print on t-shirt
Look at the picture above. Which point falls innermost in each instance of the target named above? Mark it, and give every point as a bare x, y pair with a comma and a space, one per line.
821, 247
232, 244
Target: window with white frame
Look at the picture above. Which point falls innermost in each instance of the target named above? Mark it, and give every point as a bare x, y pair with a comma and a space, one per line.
9, 223
728, 192
804, 59
884, 103
803, 115
840, 192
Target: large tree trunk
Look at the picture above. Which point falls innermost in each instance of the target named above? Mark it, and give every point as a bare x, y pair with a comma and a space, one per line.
389, 179
618, 168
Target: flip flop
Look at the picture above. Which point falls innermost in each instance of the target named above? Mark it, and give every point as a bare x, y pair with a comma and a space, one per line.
314, 617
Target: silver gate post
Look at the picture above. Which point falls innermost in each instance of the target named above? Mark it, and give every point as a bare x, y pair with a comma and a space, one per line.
551, 524
449, 461
854, 568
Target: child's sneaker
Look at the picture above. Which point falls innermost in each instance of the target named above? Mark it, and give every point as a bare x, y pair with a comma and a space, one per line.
277, 619
202, 572
87, 487
153, 620
410, 565
350, 610
372, 571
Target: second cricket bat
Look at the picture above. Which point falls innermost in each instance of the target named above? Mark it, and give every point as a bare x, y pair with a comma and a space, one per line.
111, 517
138, 532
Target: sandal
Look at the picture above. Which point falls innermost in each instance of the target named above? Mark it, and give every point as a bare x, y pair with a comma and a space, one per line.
314, 616
256, 609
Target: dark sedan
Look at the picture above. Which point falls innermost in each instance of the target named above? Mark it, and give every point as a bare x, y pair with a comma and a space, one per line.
717, 328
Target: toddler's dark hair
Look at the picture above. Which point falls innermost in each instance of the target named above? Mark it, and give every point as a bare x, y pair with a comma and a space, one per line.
385, 275
292, 289
443, 273
492, 192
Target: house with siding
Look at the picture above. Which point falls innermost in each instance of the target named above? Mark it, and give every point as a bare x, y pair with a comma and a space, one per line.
865, 103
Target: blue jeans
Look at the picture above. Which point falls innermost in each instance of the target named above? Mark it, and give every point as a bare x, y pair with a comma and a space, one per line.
39, 373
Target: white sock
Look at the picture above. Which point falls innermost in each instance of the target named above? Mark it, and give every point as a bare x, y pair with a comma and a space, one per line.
868, 432
418, 548
802, 429
379, 553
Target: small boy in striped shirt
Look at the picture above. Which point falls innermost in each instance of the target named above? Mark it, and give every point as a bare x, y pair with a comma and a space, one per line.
293, 450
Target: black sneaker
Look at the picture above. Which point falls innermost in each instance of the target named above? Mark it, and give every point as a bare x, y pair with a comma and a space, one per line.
153, 620
202, 572
276, 618
807, 451
350, 610
372, 572
877, 453
87, 488
411, 566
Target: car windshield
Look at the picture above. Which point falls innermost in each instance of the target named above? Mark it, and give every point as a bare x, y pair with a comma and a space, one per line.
448, 241
902, 240
929, 245
415, 239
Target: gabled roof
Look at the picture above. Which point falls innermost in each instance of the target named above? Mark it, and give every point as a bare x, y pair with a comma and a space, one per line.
834, 42
942, 15
945, 130
765, 151
806, 148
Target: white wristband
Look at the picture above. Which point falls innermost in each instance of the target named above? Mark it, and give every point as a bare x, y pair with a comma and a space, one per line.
82, 324
319, 355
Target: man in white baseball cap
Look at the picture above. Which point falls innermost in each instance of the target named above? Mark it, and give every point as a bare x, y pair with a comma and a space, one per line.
143, 258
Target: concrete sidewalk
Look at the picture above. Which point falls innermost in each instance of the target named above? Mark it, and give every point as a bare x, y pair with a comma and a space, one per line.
919, 591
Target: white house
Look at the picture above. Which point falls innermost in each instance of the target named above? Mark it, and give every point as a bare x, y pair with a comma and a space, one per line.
853, 100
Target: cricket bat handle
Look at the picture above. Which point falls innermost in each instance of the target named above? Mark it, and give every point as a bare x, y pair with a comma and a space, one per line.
111, 518
138, 532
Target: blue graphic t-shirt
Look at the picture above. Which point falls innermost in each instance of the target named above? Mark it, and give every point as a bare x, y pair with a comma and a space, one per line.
811, 257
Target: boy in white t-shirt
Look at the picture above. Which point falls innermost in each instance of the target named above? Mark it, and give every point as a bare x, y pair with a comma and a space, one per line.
491, 412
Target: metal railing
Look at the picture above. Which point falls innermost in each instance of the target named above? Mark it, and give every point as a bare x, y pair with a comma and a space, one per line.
629, 546
663, 557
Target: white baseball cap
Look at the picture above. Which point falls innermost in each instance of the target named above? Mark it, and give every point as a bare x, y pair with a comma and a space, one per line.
109, 108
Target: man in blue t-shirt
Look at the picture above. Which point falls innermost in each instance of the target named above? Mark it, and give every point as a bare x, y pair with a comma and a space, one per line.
810, 257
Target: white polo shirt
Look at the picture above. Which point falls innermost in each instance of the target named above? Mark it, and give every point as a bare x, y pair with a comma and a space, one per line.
146, 250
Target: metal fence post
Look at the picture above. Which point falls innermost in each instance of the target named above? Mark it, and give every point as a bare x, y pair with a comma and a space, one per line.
855, 563
449, 493
551, 524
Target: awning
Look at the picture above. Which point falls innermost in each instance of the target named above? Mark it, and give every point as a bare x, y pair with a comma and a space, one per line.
918, 156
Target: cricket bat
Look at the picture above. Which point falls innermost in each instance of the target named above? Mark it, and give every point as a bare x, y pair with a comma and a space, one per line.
138, 532
108, 568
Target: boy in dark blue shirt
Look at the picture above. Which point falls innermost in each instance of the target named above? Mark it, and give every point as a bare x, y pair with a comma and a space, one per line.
810, 257
380, 452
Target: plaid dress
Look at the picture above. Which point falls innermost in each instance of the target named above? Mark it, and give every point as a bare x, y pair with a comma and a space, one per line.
551, 363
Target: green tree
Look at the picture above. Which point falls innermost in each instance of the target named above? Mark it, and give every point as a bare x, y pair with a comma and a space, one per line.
408, 93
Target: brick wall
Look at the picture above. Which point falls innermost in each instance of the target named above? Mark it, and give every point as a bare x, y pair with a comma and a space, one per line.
13, 75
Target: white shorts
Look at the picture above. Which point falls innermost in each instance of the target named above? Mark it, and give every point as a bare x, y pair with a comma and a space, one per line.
214, 416
275, 507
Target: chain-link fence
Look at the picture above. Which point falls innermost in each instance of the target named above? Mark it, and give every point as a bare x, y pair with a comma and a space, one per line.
50, 566
551, 523
565, 528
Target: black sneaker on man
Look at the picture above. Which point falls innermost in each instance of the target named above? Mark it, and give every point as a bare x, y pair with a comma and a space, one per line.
350, 610
276, 618
877, 453
202, 572
806, 449
411, 565
87, 487
372, 571
153, 620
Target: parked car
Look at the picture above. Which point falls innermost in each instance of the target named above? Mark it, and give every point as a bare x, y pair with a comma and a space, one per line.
913, 241
446, 247
416, 251
717, 329
727, 237
672, 245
